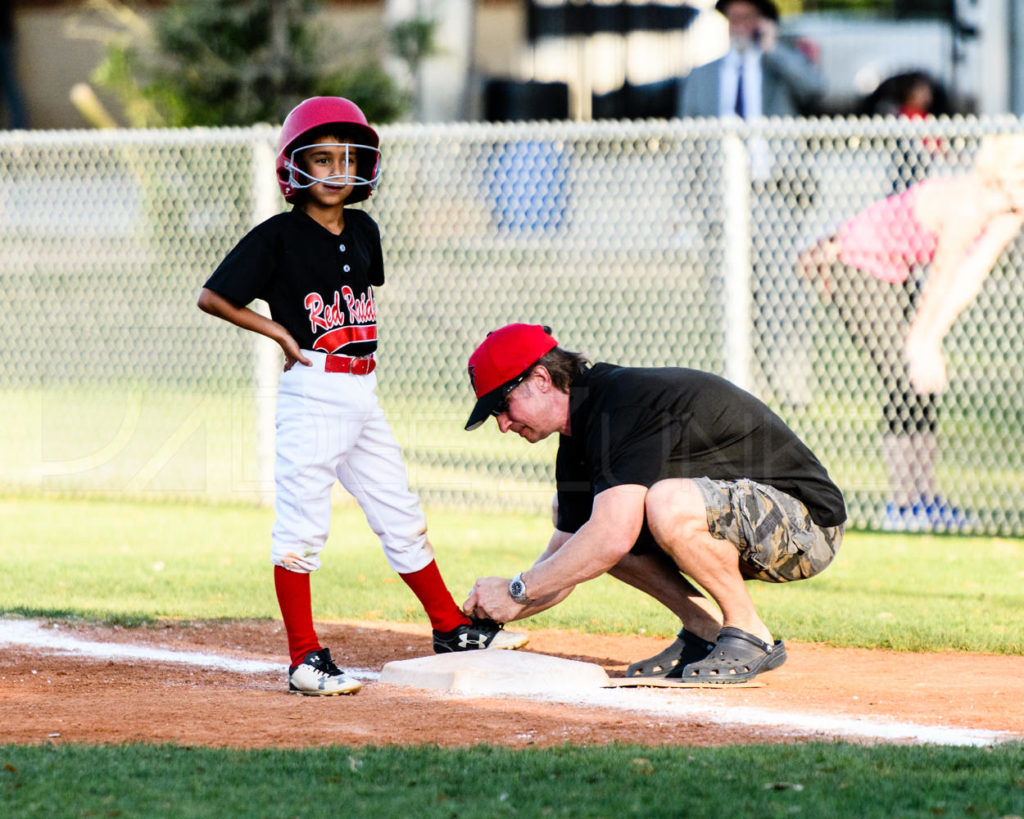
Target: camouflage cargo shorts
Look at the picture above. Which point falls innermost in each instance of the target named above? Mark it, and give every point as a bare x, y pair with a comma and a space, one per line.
776, 538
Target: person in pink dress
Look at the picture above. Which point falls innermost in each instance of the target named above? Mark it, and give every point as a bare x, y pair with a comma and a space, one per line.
899, 273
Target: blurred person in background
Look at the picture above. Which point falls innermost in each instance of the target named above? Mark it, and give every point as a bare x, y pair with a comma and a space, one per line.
899, 273
914, 96
758, 77
9, 85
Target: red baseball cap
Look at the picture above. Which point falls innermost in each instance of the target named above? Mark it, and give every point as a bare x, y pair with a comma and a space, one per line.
502, 358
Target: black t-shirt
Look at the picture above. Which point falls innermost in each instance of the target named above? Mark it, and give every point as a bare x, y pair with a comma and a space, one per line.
318, 284
634, 425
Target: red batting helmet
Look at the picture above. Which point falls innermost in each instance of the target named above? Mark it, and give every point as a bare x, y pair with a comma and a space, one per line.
314, 114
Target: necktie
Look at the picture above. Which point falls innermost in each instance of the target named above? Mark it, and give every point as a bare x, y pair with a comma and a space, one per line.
739, 91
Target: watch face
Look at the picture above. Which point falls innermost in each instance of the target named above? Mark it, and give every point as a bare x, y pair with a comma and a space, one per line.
517, 588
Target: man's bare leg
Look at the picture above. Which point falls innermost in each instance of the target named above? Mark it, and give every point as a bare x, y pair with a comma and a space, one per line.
658, 576
677, 517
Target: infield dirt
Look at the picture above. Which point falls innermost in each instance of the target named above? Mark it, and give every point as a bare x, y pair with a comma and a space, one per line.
58, 697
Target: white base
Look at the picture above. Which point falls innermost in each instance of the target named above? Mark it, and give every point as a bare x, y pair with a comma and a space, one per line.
496, 672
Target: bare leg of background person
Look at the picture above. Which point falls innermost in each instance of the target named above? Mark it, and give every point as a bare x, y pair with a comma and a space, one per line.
910, 460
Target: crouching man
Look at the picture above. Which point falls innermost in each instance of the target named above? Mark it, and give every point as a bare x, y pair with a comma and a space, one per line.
665, 476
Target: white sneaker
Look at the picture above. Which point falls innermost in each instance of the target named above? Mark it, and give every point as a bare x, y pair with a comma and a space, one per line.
317, 675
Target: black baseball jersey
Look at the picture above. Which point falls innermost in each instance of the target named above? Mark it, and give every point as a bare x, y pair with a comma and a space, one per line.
638, 426
318, 285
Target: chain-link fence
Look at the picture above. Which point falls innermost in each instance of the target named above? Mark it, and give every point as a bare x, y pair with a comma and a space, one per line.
640, 243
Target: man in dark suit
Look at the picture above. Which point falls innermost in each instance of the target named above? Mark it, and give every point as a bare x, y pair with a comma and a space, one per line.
758, 76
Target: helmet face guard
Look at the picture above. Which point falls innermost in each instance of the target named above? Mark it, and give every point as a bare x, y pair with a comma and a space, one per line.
342, 119
367, 168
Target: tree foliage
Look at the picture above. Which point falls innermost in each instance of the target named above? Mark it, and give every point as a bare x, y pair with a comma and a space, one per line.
236, 62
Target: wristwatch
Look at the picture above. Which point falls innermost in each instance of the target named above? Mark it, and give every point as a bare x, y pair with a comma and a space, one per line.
517, 590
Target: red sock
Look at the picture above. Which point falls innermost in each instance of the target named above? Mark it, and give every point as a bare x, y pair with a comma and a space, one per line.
297, 610
435, 598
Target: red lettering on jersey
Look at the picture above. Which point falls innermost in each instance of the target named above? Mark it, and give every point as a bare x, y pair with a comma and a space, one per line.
315, 305
328, 316
362, 310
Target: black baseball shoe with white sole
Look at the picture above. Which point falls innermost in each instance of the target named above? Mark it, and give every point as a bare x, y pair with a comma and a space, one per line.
476, 635
318, 676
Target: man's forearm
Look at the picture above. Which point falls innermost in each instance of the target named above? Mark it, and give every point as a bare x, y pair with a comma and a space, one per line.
537, 606
614, 525
583, 556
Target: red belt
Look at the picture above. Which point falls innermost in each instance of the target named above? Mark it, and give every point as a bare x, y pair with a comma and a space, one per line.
344, 364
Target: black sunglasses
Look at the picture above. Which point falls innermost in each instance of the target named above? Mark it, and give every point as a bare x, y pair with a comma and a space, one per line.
502, 405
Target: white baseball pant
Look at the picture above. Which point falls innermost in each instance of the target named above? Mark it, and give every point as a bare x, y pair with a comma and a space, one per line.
330, 427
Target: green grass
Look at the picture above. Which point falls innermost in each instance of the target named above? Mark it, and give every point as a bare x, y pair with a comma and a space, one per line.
135, 440
816, 780
130, 562
133, 563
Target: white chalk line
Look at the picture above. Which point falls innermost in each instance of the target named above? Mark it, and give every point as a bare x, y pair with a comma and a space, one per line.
668, 703
31, 633
652, 702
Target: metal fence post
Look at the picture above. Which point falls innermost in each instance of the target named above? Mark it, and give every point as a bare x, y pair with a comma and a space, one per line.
266, 202
736, 261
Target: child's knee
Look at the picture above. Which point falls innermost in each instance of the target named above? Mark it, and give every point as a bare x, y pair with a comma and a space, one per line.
303, 559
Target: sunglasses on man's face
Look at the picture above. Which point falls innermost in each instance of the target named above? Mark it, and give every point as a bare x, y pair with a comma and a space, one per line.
506, 391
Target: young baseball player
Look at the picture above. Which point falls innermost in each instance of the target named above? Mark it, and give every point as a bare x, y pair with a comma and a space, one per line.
316, 266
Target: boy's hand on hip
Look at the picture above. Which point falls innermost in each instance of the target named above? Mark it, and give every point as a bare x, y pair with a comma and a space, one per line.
293, 354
